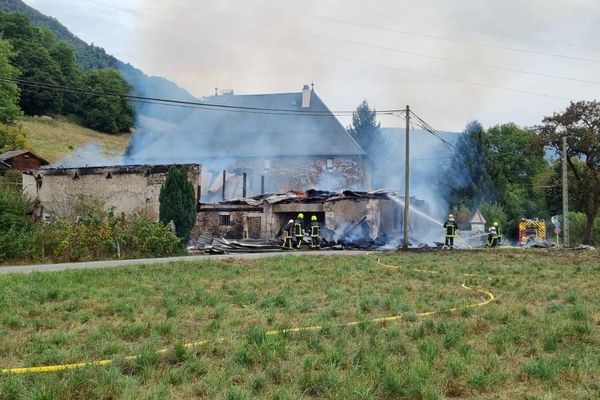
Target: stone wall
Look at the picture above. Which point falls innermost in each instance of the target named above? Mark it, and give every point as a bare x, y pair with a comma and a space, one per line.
126, 189
211, 223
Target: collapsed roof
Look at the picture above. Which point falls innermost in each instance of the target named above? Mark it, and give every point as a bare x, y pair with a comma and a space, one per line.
313, 196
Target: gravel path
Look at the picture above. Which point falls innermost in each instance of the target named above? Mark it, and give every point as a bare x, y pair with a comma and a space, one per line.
146, 261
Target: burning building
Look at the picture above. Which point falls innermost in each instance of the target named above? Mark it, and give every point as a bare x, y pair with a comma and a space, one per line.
123, 188
347, 217
267, 143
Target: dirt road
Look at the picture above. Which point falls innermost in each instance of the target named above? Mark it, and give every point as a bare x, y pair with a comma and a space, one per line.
146, 261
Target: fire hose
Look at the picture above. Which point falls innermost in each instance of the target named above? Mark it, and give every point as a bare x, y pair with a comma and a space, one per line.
63, 367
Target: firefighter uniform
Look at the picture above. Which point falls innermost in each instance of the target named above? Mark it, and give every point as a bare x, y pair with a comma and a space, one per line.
299, 230
287, 234
450, 229
493, 238
315, 233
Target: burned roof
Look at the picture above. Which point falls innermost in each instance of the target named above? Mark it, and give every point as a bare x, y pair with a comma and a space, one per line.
309, 131
15, 153
116, 169
310, 196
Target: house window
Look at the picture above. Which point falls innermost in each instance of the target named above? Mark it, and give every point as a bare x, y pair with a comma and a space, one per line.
329, 164
267, 165
225, 219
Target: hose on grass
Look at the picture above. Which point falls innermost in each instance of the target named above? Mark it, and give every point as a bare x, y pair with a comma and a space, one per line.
489, 297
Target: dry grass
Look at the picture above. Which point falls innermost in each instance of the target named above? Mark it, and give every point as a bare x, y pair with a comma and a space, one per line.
539, 339
55, 139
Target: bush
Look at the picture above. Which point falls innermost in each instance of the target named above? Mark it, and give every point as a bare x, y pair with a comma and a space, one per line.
94, 234
577, 222
92, 239
14, 224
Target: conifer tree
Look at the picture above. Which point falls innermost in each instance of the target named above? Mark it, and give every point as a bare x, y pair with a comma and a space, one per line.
177, 202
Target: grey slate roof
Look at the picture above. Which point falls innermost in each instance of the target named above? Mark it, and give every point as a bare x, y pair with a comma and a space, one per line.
230, 134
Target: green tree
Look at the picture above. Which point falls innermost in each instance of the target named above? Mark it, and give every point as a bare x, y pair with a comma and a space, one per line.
177, 202
111, 114
514, 158
9, 92
365, 130
580, 124
466, 178
12, 137
34, 50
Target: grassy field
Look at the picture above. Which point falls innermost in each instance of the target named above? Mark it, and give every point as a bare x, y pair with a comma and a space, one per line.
55, 139
539, 339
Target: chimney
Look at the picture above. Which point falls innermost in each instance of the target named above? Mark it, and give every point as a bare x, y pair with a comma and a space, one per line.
306, 92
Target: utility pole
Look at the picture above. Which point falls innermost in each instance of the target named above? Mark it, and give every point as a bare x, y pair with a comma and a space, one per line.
406, 180
565, 193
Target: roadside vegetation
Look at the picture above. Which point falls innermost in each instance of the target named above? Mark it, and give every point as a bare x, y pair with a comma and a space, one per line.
86, 232
538, 340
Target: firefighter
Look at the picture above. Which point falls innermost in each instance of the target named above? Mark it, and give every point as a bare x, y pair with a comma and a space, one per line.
287, 233
299, 230
496, 225
492, 237
315, 232
450, 229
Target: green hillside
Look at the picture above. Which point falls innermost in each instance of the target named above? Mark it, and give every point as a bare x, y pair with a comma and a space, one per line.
53, 139
91, 57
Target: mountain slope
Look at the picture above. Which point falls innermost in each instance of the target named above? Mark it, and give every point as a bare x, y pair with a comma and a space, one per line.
55, 139
93, 57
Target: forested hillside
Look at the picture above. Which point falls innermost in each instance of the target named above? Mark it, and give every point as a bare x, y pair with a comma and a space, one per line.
36, 56
90, 57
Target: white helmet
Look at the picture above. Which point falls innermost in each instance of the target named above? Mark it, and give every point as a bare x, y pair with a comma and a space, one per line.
291, 221
492, 229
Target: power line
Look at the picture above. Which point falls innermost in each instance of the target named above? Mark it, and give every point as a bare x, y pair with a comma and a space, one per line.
423, 124
419, 54
419, 34
357, 61
400, 51
186, 104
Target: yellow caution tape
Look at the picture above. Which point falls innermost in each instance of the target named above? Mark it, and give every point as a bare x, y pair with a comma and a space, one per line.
63, 367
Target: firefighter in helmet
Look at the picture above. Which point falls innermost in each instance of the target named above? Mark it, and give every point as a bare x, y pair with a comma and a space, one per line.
492, 237
496, 225
299, 230
450, 229
315, 233
287, 232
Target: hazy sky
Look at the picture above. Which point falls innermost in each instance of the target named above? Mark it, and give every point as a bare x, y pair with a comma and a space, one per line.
450, 60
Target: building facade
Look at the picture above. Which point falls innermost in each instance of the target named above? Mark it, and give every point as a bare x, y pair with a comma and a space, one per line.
22, 160
268, 143
125, 189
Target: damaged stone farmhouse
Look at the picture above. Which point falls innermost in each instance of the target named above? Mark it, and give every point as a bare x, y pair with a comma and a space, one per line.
253, 171
247, 152
127, 189
350, 217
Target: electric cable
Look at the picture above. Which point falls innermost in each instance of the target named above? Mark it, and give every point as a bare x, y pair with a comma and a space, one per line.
189, 104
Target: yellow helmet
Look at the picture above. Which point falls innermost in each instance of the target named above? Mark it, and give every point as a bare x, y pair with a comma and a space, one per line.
495, 223
313, 218
300, 216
